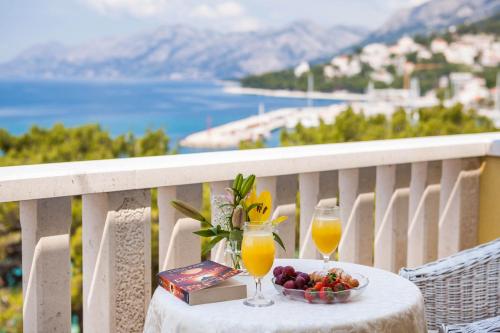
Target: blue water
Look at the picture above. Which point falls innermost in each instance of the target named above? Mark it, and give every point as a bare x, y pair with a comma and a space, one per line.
178, 107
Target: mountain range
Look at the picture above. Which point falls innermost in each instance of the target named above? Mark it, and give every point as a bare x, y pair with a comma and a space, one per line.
182, 51
186, 52
431, 16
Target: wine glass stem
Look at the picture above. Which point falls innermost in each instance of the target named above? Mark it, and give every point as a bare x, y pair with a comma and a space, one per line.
258, 288
326, 259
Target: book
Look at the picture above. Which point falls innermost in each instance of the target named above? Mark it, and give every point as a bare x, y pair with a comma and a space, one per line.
205, 282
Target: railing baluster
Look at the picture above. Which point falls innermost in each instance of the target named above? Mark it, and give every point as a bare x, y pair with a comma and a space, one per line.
45, 226
285, 204
168, 216
309, 188
116, 243
185, 247
391, 216
423, 213
329, 186
458, 206
357, 208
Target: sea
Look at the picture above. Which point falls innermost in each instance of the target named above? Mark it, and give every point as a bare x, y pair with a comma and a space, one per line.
178, 107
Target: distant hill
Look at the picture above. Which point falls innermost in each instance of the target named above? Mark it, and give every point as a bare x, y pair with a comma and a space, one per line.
432, 16
286, 79
184, 52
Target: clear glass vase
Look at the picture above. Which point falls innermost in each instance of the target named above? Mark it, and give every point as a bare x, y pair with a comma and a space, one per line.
233, 255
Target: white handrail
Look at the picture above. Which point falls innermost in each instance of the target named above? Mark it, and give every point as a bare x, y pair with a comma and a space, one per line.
75, 178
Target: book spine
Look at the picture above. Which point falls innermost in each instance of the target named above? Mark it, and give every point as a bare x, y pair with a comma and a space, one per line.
173, 289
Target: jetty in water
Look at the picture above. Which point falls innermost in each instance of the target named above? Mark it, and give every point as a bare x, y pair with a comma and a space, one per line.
262, 125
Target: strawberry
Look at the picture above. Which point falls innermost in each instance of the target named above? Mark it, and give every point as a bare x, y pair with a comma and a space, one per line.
318, 286
310, 294
341, 291
330, 279
326, 294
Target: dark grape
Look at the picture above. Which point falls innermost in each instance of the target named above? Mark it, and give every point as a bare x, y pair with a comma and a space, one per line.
280, 279
300, 282
289, 284
289, 271
277, 270
305, 276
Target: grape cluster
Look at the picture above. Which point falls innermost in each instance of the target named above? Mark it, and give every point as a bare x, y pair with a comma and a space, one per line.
290, 279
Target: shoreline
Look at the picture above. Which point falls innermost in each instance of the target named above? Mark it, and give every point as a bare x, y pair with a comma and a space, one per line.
282, 93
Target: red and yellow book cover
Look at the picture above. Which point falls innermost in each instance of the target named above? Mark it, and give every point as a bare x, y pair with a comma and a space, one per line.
184, 280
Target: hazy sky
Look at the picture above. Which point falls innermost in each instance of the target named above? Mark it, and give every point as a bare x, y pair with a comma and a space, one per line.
27, 22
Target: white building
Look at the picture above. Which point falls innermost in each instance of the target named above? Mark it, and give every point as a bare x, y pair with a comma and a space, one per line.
346, 66
423, 53
472, 91
329, 71
461, 53
341, 62
405, 45
376, 55
382, 76
491, 56
438, 45
302, 68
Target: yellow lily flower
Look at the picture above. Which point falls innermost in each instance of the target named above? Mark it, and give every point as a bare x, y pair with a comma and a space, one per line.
279, 220
263, 211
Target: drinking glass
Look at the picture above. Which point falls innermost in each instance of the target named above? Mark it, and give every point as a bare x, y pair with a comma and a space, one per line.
257, 251
326, 231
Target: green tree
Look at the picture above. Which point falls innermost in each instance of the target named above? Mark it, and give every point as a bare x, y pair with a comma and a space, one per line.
61, 144
352, 126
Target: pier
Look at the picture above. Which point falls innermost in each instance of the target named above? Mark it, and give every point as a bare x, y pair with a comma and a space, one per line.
384, 101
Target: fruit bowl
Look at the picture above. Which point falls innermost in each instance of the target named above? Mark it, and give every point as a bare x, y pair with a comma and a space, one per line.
324, 297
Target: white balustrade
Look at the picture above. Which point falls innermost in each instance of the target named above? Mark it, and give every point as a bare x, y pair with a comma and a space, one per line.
403, 202
357, 204
45, 226
423, 213
168, 216
458, 205
116, 241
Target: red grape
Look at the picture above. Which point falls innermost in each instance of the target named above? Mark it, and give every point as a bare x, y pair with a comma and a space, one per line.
300, 282
289, 271
277, 270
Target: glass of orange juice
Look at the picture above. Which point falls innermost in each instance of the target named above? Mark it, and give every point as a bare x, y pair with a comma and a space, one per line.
326, 231
257, 252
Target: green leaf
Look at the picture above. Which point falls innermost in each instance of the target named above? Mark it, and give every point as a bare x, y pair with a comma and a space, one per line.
237, 182
187, 210
205, 232
206, 224
236, 235
226, 204
209, 245
247, 185
278, 240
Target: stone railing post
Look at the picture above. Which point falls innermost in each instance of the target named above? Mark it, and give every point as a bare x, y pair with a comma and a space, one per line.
45, 226
116, 260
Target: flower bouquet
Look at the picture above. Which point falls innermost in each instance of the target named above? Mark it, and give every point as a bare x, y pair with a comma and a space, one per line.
240, 204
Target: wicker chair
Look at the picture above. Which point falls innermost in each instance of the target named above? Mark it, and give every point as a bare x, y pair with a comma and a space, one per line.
489, 325
462, 288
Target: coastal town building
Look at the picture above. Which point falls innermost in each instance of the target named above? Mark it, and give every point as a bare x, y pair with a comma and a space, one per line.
301, 69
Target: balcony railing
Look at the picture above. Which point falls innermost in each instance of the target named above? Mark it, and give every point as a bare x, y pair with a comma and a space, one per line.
427, 193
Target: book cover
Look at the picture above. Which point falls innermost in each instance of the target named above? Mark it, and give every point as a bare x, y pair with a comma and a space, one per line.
185, 281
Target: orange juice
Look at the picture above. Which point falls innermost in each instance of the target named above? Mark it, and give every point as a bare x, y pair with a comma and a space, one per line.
326, 234
257, 252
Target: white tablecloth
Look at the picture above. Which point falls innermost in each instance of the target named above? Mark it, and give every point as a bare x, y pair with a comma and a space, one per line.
389, 304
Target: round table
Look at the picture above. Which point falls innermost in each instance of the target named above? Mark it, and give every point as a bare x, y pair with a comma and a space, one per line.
389, 304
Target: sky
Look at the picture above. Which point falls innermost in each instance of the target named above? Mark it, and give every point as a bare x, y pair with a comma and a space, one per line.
24, 23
